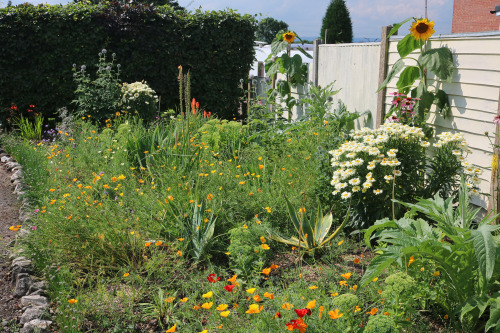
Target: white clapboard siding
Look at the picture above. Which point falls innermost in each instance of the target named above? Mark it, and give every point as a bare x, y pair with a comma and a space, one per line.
473, 94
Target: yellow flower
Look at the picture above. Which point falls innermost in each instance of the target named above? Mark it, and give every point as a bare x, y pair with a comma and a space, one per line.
72, 301
207, 305
170, 299
335, 314
204, 331
208, 295
289, 37
287, 306
158, 243
265, 246
422, 29
251, 290
340, 243
346, 275
262, 239
375, 279
357, 309
225, 313
268, 209
222, 307
334, 294
184, 300
411, 261
126, 274
436, 273
254, 308
179, 253
311, 305
313, 287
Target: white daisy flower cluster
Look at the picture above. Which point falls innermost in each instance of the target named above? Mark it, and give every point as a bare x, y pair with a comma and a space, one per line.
138, 91
368, 163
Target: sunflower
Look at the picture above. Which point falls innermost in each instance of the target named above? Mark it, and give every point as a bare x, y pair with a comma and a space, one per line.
422, 29
289, 37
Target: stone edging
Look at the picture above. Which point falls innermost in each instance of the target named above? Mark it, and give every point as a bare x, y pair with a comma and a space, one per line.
29, 288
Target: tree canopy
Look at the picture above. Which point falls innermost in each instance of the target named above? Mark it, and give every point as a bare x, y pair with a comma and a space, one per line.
172, 3
338, 23
267, 28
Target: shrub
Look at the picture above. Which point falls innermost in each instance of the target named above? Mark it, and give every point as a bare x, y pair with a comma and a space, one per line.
381, 324
346, 302
138, 98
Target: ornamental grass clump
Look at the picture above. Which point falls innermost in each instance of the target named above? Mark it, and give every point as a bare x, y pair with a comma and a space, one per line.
394, 161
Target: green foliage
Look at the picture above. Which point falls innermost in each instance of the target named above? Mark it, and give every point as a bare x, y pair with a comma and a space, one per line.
337, 21
346, 302
381, 324
172, 3
312, 230
150, 42
319, 101
246, 256
222, 136
30, 130
267, 28
463, 253
413, 79
98, 97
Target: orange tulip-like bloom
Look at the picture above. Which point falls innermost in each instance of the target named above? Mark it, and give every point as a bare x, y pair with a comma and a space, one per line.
261, 166
158, 243
346, 275
254, 308
222, 307
357, 309
422, 29
233, 279
311, 305
72, 301
335, 314
172, 329
256, 298
373, 311
266, 271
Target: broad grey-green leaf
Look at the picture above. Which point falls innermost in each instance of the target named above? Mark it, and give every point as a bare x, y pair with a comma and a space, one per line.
440, 62
484, 244
407, 45
376, 267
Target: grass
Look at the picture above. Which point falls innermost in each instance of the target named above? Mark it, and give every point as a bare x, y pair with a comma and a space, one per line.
123, 227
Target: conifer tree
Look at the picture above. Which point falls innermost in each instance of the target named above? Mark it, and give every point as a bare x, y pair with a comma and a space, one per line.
338, 23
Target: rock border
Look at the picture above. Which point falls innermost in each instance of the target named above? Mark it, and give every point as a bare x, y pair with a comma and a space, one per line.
30, 289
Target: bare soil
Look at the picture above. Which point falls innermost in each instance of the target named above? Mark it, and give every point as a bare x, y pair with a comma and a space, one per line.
10, 307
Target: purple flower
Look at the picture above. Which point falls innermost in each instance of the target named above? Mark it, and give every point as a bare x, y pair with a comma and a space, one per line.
33, 228
496, 120
37, 210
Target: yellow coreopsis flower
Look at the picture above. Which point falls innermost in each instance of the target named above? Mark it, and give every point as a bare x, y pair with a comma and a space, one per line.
251, 290
422, 29
225, 313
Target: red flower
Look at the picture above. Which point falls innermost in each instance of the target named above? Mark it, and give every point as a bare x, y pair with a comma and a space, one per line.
229, 287
302, 312
297, 324
277, 315
211, 279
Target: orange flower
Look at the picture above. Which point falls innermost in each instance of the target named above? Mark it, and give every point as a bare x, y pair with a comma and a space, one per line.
170, 299
268, 209
311, 305
356, 261
126, 274
265, 246
256, 298
72, 301
335, 314
210, 197
147, 244
436, 273
158, 243
313, 287
266, 271
221, 307
232, 279
287, 306
262, 239
207, 305
411, 261
373, 311
172, 329
321, 309
343, 283
273, 266
357, 309
269, 295
355, 287
184, 300
261, 166
346, 275
340, 243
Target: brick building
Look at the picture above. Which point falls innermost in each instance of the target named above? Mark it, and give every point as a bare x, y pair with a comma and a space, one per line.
474, 16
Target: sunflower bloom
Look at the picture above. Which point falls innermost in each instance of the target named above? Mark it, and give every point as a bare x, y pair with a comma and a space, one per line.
289, 37
422, 29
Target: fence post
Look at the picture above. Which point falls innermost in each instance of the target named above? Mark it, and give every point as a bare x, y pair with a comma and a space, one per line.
382, 74
494, 204
316, 44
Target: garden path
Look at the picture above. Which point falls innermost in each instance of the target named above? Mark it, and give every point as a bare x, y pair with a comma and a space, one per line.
9, 216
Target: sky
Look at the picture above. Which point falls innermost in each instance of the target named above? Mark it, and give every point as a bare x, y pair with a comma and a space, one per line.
305, 16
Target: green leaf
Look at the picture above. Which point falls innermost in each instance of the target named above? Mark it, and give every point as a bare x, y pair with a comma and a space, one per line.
397, 26
376, 267
426, 99
440, 62
494, 318
304, 52
407, 45
278, 46
442, 103
378, 225
408, 76
396, 68
480, 302
484, 244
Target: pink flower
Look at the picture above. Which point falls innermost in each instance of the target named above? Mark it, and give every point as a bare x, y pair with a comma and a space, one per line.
393, 119
496, 120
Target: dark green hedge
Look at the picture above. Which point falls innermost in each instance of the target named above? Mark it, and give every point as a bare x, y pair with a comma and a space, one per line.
40, 44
